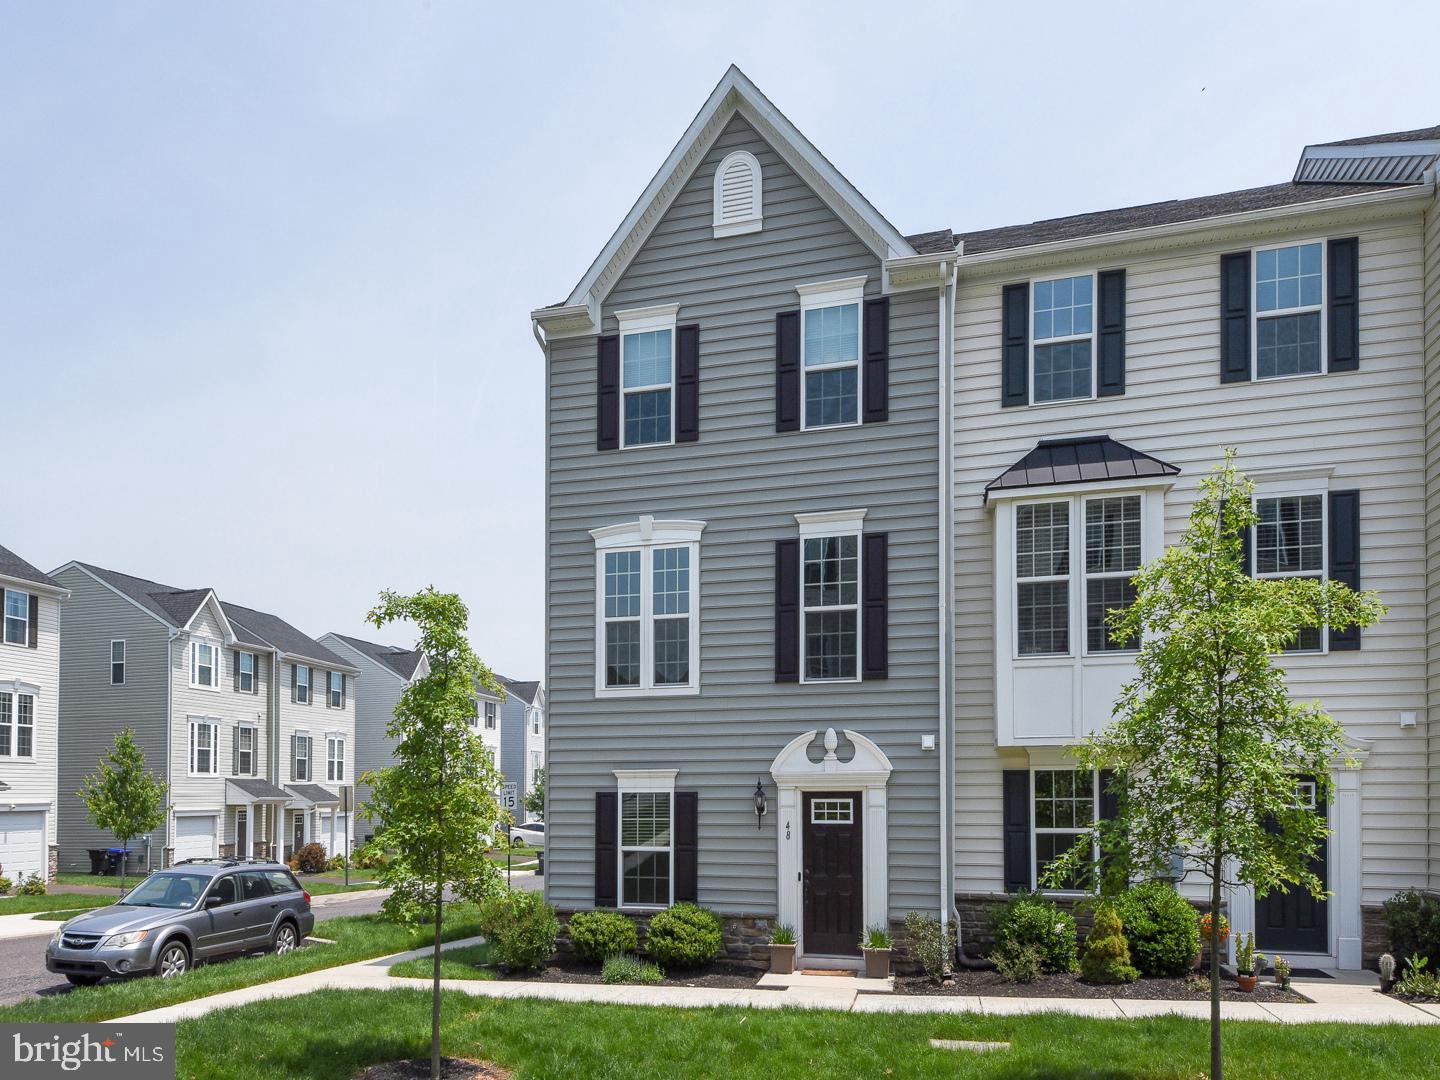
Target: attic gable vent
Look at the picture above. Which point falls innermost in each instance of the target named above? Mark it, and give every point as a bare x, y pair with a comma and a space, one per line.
737, 195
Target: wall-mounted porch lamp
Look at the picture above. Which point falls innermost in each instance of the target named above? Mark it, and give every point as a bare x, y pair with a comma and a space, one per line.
760, 806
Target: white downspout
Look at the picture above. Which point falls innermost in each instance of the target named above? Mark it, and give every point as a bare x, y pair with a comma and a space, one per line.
946, 334
545, 540
169, 745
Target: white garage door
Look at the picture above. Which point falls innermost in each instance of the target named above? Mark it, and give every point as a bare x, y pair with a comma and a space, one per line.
22, 843
194, 838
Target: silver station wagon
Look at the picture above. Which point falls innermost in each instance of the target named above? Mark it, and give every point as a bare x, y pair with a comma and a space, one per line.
199, 909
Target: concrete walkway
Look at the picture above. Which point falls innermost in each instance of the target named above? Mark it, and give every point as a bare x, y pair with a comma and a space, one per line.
1334, 1000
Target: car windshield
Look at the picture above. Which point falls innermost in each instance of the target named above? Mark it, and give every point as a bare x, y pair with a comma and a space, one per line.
168, 891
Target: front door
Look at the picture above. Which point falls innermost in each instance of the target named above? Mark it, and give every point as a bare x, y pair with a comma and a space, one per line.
299, 831
242, 834
1293, 920
834, 899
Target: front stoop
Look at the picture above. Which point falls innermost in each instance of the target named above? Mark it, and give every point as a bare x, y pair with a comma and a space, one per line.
851, 983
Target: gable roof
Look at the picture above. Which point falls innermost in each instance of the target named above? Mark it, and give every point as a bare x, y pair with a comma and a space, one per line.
17, 569
516, 688
1087, 459
402, 662
733, 94
276, 632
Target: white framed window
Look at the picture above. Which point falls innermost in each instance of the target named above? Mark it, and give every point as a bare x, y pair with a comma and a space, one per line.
1290, 539
117, 662
647, 625
831, 321
534, 721
1064, 806
646, 849
647, 375
204, 665
737, 196
246, 743
490, 716
335, 758
830, 576
336, 697
1113, 552
535, 767
300, 766
204, 735
1289, 330
302, 683
1042, 578
17, 724
17, 617
245, 672
1062, 339
832, 811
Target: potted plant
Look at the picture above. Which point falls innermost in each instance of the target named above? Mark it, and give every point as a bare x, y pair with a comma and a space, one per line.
1245, 963
1199, 960
1282, 972
876, 946
782, 950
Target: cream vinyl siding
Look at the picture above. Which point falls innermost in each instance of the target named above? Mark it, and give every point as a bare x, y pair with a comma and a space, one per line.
1368, 426
33, 780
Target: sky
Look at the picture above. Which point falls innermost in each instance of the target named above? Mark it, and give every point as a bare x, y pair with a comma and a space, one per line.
266, 268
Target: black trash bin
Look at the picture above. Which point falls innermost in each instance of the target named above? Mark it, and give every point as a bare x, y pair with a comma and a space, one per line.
113, 857
97, 860
540, 864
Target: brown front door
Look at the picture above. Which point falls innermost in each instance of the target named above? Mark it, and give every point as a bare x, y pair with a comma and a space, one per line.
299, 831
242, 834
834, 908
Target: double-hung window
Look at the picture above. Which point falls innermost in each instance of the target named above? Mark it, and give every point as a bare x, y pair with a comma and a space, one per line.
245, 673
1112, 555
1064, 803
831, 315
245, 743
336, 698
204, 658
647, 629
300, 767
830, 601
1042, 578
490, 716
17, 725
203, 737
647, 375
1289, 541
534, 721
645, 848
1289, 330
302, 683
1063, 341
117, 662
334, 758
17, 617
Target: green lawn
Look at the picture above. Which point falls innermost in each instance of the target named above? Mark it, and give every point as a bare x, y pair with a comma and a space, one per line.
357, 937
70, 877
337, 1033
58, 916
19, 905
325, 888
466, 963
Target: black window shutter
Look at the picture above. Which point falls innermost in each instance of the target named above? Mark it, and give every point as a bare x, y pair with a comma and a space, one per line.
294, 757
787, 371
1235, 317
1109, 811
877, 360
235, 663
1111, 343
310, 757
1246, 535
875, 618
294, 686
607, 393
687, 846
235, 760
1015, 346
787, 610
1345, 556
687, 383
255, 676
606, 822
1343, 302
1017, 829
34, 621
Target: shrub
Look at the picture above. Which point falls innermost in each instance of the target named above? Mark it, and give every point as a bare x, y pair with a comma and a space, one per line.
1163, 929
370, 856
335, 863
4, 884
521, 929
929, 944
630, 969
32, 885
596, 935
1017, 962
309, 859
685, 936
1414, 922
1031, 919
1107, 957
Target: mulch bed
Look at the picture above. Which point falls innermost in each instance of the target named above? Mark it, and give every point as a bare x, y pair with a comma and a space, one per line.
990, 984
450, 1069
719, 975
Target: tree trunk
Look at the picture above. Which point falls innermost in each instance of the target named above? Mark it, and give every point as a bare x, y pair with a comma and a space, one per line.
439, 906
1215, 882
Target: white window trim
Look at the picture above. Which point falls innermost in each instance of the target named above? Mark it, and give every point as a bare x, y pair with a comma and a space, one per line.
213, 723
1086, 576
309, 683
1035, 830
635, 782
1280, 486
644, 535
835, 523
824, 294
330, 690
15, 690
331, 741
24, 642
491, 712
123, 661
240, 670
752, 222
1092, 336
298, 739
641, 321
1255, 315
254, 729
214, 646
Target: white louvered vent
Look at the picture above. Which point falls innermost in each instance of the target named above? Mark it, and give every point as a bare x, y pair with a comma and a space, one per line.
737, 195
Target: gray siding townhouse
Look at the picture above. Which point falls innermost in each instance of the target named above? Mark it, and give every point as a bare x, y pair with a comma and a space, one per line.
522, 724
29, 717
250, 722
835, 515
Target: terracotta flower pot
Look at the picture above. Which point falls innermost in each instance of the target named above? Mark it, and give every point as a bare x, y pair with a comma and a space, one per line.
877, 963
782, 959
1246, 983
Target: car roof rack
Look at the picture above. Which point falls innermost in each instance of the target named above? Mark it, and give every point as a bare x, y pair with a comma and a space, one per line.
225, 860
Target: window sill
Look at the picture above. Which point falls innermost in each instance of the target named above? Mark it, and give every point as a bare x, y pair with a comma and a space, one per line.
832, 427
1286, 378
15, 759
638, 692
647, 445
202, 686
831, 682
1062, 401
203, 775
18, 644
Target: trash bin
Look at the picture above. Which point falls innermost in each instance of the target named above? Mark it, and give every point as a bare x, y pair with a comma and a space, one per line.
540, 864
113, 858
97, 860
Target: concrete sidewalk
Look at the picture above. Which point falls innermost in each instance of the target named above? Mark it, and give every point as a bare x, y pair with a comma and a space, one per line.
1333, 1000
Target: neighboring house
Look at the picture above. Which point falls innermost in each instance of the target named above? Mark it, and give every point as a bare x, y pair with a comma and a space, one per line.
522, 720
250, 722
769, 561
29, 717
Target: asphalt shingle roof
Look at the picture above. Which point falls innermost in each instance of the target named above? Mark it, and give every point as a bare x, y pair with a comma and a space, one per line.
516, 688
313, 793
1413, 135
1070, 461
12, 566
402, 662
258, 789
277, 632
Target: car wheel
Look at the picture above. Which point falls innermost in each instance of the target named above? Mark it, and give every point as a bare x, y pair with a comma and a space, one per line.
174, 960
83, 980
285, 939
517, 841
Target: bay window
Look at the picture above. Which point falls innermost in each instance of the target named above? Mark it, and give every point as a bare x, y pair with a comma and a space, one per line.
1042, 578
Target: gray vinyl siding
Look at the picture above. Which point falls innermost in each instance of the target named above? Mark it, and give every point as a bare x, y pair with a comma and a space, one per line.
746, 482
92, 711
376, 692
1431, 243
512, 749
1368, 425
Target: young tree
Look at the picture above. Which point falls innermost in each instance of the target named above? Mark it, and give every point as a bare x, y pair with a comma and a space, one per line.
535, 797
438, 799
1206, 742
123, 797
